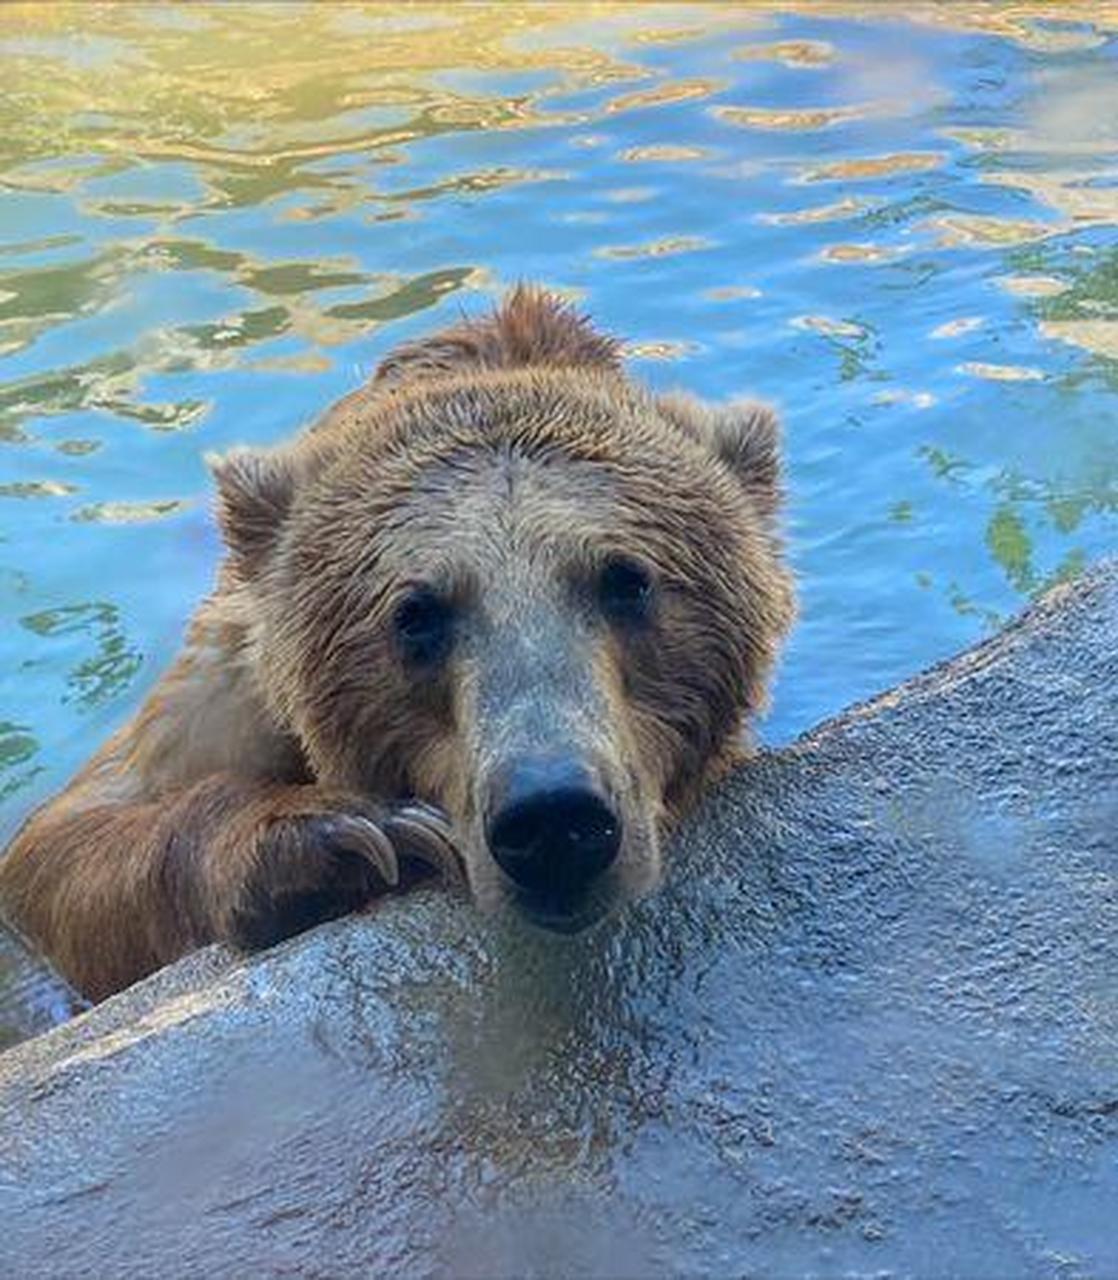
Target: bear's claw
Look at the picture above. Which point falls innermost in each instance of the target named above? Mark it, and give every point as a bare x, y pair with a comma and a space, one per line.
360, 835
421, 831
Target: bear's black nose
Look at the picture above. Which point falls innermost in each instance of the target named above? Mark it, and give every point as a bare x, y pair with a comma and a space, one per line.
552, 831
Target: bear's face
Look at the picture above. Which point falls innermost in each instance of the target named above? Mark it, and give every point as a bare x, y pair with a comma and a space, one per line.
541, 599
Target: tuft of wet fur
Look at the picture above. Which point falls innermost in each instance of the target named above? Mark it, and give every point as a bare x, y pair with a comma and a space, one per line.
532, 329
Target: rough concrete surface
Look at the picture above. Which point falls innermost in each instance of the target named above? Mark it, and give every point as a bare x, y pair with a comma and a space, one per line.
869, 1027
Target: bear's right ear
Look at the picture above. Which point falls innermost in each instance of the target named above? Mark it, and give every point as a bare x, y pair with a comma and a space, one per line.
254, 494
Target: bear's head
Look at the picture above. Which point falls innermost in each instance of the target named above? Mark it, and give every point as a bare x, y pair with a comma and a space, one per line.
505, 579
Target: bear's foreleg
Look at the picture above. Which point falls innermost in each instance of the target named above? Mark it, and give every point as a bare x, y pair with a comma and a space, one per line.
112, 892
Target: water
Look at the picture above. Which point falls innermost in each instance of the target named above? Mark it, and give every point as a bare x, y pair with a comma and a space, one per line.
215, 220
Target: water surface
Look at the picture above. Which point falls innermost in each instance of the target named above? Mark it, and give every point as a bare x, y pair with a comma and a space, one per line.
214, 220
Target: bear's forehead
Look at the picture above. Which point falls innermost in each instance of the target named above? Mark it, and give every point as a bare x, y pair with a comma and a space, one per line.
559, 420
552, 489
522, 524
543, 464
485, 496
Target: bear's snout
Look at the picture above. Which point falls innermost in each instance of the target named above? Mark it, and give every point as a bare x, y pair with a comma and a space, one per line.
552, 830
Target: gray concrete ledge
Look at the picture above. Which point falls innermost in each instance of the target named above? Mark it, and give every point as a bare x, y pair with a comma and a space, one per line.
870, 1026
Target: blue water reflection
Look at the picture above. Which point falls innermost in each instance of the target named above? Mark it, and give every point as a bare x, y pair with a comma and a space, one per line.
213, 221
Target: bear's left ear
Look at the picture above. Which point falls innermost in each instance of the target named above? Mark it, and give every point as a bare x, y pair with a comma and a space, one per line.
254, 495
744, 435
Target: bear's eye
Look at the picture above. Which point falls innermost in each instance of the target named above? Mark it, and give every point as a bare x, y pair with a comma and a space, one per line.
625, 592
424, 624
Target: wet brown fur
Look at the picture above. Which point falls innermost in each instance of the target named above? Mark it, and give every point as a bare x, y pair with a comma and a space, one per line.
204, 817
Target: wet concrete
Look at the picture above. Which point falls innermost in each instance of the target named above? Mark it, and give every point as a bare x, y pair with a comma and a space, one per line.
870, 1027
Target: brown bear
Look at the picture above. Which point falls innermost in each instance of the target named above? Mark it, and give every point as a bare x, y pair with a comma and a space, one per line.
501, 583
